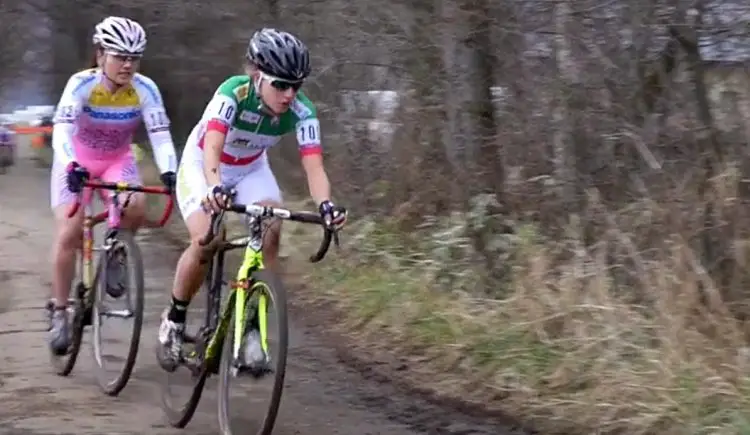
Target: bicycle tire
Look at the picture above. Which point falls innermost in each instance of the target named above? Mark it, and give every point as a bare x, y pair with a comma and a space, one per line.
278, 299
64, 364
125, 240
179, 418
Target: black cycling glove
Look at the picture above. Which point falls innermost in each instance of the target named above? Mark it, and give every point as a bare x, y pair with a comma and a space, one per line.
77, 176
334, 215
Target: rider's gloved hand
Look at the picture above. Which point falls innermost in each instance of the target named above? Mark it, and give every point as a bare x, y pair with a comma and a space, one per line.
217, 198
169, 179
334, 215
77, 176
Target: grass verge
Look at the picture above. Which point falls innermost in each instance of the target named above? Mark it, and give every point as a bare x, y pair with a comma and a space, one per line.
558, 343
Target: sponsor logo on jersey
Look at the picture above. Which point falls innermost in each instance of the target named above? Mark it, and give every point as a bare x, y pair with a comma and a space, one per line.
242, 91
251, 140
250, 117
109, 115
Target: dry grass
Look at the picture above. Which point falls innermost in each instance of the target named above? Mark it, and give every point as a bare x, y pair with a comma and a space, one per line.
560, 344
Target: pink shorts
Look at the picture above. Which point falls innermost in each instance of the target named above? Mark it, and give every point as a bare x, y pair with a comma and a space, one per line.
122, 168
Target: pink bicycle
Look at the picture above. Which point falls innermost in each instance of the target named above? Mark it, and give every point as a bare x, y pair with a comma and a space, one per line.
87, 305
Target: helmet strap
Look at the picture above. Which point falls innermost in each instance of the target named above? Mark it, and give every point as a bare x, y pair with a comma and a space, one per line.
262, 106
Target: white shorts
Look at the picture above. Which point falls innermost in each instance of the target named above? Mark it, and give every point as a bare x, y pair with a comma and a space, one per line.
254, 182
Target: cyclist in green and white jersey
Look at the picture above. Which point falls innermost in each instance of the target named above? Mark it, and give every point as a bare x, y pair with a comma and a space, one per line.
227, 149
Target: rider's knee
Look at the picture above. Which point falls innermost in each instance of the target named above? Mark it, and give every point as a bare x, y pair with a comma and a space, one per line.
135, 210
201, 249
197, 244
271, 227
69, 234
272, 232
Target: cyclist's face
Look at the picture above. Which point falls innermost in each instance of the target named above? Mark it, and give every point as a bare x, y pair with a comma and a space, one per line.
120, 67
278, 94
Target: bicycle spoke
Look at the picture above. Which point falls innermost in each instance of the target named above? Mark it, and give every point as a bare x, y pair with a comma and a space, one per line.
266, 296
124, 247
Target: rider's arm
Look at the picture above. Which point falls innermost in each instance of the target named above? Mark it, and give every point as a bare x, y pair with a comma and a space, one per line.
65, 118
219, 115
157, 124
308, 139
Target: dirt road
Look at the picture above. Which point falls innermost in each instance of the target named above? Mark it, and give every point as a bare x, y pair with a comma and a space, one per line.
321, 396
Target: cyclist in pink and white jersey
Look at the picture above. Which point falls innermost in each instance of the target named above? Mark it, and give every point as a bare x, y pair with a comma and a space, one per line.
98, 113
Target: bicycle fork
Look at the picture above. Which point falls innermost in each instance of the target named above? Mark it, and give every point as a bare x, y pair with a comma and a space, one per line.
89, 272
247, 311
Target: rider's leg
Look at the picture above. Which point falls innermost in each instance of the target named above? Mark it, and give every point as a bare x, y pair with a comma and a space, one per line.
67, 241
191, 267
190, 273
260, 187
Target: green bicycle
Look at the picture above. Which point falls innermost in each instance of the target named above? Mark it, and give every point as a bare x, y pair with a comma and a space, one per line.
215, 348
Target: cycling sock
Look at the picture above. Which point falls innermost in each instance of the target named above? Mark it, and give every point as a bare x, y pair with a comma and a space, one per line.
178, 311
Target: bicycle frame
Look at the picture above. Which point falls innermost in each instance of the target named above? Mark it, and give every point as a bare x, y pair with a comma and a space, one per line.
113, 216
240, 290
252, 261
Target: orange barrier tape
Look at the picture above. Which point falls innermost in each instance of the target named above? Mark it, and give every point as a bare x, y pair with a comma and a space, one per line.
32, 130
37, 142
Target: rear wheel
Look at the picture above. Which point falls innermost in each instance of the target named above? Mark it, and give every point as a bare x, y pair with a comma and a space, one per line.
132, 301
265, 285
180, 408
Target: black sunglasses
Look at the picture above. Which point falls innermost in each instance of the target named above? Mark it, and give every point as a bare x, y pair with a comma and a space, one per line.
282, 85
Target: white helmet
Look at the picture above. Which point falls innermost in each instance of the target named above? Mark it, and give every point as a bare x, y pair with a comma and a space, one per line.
120, 34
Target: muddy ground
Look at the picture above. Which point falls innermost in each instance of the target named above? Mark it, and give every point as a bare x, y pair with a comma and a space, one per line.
323, 394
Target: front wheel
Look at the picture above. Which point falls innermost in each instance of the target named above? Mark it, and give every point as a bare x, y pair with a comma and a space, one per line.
266, 286
124, 251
